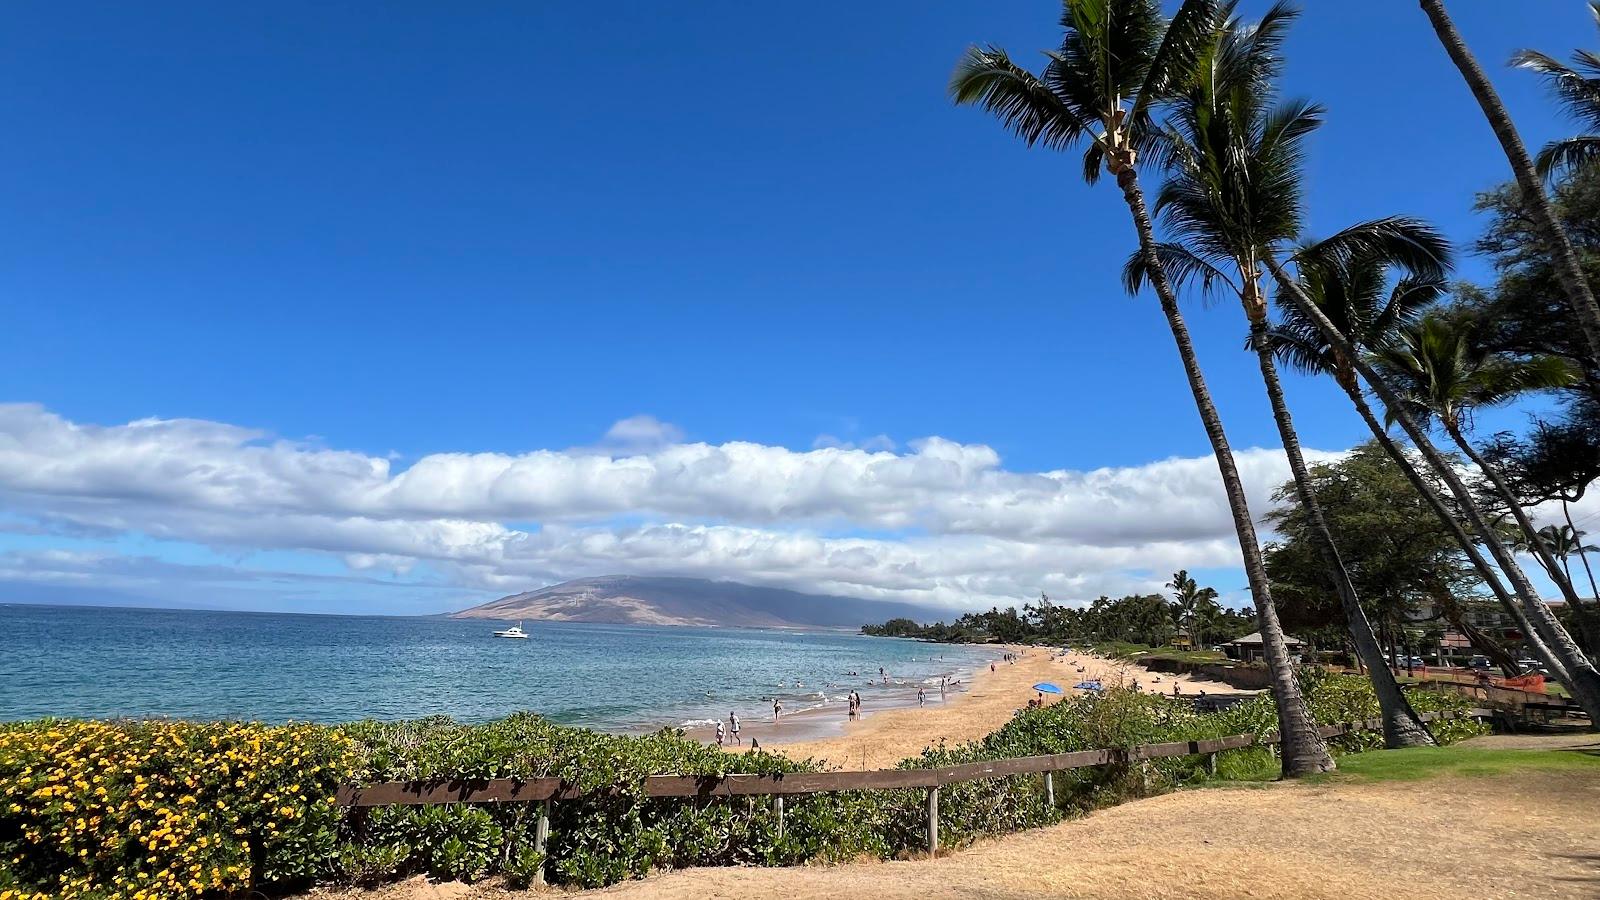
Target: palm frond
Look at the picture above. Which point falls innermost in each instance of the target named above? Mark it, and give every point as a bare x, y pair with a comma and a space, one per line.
987, 76
1571, 154
1173, 65
1182, 267
1300, 346
1411, 244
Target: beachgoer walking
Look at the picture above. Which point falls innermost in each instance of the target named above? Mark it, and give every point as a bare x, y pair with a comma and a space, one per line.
944, 685
719, 734
777, 710
991, 667
733, 726
922, 697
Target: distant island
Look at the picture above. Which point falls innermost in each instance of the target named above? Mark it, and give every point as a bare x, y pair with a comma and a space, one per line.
642, 600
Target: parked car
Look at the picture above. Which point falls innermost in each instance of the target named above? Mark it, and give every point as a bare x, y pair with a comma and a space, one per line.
1479, 662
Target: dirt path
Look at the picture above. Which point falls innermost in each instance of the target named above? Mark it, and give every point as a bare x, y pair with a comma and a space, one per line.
1531, 835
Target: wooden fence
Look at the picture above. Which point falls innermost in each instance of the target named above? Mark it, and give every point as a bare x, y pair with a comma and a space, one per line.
545, 791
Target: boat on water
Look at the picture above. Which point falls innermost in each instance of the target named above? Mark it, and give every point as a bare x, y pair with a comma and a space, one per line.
514, 631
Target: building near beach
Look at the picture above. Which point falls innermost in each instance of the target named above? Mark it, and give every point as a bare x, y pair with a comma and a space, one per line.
1248, 648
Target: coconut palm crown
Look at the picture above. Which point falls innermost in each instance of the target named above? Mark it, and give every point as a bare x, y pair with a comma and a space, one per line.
1577, 89
1366, 294
1118, 61
1442, 375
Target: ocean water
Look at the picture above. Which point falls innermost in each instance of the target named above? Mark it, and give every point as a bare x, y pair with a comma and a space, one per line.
114, 662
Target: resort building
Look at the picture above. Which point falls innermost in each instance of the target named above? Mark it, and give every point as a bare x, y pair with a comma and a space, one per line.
1248, 648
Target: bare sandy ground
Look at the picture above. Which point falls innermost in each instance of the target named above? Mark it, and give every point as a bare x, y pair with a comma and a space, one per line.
1532, 834
883, 738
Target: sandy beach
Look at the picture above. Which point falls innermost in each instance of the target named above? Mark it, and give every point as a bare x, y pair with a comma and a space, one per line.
884, 737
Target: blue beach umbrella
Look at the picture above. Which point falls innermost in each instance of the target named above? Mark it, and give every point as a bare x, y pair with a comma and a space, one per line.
1047, 687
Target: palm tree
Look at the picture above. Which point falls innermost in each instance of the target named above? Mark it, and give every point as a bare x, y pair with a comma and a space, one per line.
1564, 542
1350, 291
1190, 602
1233, 196
1577, 87
1580, 674
1555, 238
1118, 61
1441, 375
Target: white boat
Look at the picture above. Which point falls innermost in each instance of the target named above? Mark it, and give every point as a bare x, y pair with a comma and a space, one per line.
514, 631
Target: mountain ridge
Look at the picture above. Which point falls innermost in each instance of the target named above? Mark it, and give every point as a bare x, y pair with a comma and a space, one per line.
664, 600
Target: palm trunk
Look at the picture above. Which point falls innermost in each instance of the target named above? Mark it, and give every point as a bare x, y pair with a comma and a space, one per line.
1401, 727
1585, 681
1544, 216
1303, 750
1535, 542
1490, 577
1588, 614
1559, 573
1583, 557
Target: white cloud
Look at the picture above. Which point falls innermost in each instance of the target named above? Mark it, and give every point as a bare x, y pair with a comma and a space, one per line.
947, 523
642, 432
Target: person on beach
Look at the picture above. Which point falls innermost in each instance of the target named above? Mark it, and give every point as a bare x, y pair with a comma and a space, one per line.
777, 710
991, 667
944, 685
720, 735
922, 697
733, 726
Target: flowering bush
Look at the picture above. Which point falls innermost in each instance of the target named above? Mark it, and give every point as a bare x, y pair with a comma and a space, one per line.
165, 809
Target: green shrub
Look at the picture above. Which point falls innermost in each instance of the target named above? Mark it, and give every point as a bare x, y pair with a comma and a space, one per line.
130, 811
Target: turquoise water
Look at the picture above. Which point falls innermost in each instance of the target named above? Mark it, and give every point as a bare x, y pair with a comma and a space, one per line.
106, 663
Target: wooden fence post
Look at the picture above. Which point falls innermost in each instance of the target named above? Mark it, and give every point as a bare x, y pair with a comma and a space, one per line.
541, 838
778, 803
1049, 790
933, 821
1211, 763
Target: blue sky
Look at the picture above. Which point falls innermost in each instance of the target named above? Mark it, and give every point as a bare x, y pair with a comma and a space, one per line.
503, 229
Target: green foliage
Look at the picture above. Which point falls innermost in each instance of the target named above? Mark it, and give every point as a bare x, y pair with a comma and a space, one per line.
1138, 619
233, 807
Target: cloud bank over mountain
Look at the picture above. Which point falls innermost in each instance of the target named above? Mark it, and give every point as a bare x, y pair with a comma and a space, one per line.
937, 522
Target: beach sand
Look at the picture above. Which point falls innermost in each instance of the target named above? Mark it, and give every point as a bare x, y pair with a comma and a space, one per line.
884, 737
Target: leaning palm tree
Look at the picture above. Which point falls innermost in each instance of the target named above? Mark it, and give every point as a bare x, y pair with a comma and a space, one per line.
1352, 292
1442, 376
1119, 60
1231, 198
1578, 671
1556, 243
1577, 88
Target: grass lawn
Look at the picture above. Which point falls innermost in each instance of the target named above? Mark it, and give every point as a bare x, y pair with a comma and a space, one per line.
1427, 762
1193, 656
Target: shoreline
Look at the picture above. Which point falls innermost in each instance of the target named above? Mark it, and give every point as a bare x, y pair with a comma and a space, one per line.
988, 700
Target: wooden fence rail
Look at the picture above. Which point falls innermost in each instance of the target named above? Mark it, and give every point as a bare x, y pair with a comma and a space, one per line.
432, 792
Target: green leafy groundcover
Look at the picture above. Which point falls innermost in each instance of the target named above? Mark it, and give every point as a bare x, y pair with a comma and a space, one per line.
175, 809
